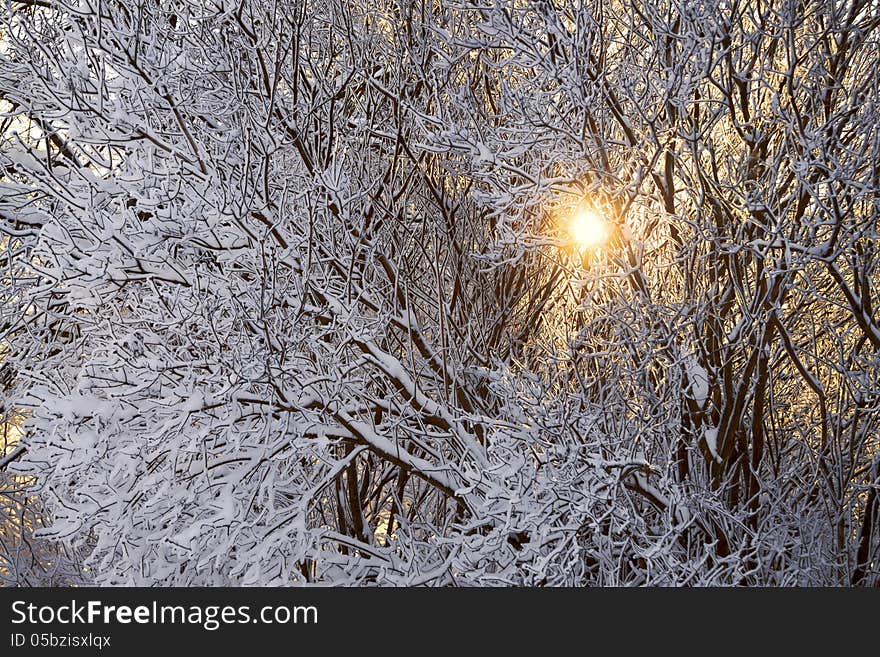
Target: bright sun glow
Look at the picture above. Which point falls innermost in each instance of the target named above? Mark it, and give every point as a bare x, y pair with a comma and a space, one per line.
587, 228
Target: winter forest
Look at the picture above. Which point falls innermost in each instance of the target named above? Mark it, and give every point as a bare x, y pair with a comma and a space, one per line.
440, 292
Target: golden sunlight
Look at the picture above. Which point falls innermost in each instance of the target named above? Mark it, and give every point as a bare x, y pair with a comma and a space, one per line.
587, 228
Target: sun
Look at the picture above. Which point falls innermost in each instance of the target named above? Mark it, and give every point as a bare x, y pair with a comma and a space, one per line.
588, 229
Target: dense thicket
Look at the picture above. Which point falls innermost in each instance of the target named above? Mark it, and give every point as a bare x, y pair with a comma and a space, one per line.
288, 294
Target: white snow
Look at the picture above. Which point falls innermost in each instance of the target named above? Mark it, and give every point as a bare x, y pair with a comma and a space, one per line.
699, 381
710, 434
